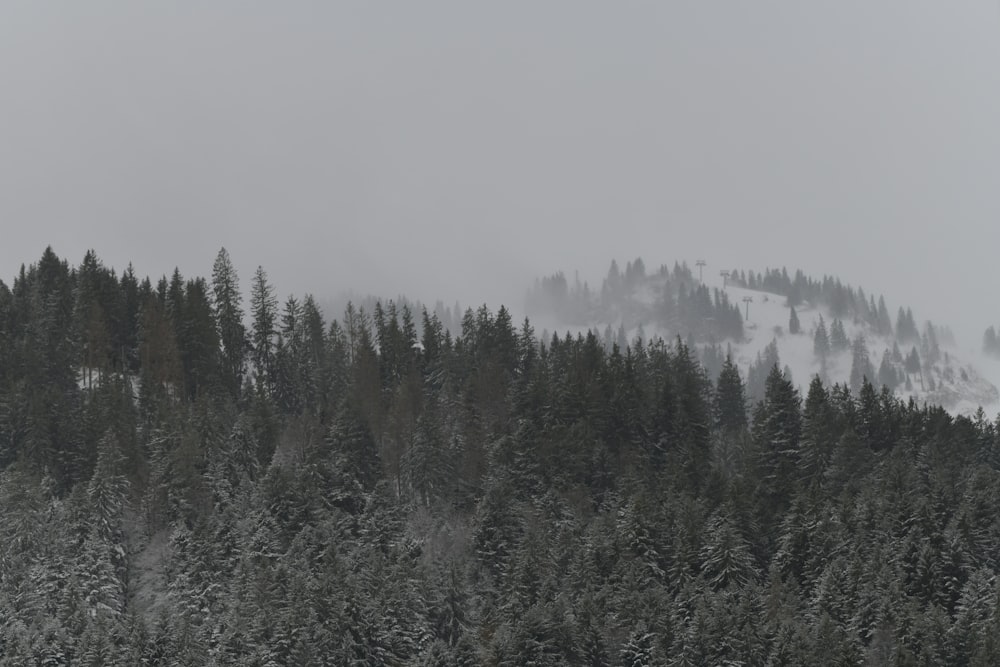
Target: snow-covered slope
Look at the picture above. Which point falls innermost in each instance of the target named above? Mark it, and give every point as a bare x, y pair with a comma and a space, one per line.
961, 382
958, 380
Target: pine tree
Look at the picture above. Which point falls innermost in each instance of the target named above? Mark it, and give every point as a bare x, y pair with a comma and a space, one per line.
126, 334
264, 310
913, 364
929, 344
227, 305
726, 556
884, 319
356, 458
861, 365
818, 434
906, 327
887, 372
730, 399
198, 341
691, 418
428, 466
288, 389
638, 650
777, 431
91, 324
794, 327
821, 341
160, 371
759, 370
319, 385
838, 337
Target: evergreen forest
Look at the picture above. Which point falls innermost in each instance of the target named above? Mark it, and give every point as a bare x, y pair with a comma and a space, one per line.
192, 477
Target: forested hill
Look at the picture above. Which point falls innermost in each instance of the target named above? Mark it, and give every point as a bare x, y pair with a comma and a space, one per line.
807, 326
699, 306
188, 479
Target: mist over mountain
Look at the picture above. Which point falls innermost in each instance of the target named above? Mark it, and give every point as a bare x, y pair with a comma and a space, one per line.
311, 353
809, 327
449, 153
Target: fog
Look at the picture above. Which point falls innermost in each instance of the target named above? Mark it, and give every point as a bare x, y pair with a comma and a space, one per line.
456, 151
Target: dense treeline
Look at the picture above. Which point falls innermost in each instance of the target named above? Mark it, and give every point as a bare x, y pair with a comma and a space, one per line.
635, 305
843, 302
675, 300
672, 299
188, 482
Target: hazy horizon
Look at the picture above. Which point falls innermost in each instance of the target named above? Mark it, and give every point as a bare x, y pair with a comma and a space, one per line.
450, 152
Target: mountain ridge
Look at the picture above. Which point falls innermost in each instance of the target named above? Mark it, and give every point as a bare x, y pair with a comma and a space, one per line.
923, 363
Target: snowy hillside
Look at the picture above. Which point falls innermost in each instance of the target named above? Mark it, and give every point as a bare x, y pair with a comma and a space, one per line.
921, 362
953, 382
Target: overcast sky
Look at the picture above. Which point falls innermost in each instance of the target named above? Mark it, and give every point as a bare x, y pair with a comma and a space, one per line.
456, 150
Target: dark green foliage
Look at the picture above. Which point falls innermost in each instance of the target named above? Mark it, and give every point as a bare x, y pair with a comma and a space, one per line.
730, 399
819, 424
777, 432
726, 557
387, 497
349, 464
227, 304
264, 310
760, 369
690, 425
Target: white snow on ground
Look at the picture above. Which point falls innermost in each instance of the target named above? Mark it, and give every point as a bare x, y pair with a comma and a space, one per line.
769, 316
988, 369
768, 321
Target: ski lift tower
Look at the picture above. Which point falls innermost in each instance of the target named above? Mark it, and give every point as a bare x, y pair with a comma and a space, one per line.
747, 300
701, 265
725, 277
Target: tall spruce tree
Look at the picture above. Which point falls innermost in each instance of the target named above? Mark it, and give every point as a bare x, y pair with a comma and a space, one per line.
227, 304
264, 310
887, 372
838, 336
861, 365
884, 319
794, 327
730, 399
821, 341
777, 430
199, 341
692, 417
818, 435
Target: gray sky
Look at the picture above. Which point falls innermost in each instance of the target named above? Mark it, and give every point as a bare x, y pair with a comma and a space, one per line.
456, 150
